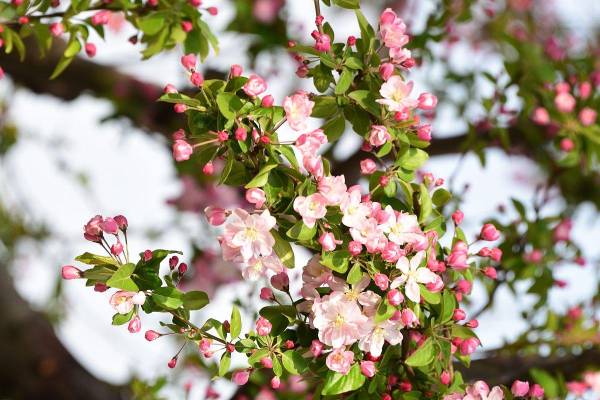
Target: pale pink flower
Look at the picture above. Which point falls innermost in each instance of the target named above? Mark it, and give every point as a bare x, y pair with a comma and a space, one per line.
399, 55
311, 208
402, 228
353, 209
367, 299
248, 234
386, 331
587, 116
340, 322
368, 368
266, 11
333, 188
481, 391
314, 275
379, 135
427, 101
298, 108
256, 196
313, 165
92, 230
540, 116
340, 360
240, 377
395, 94
392, 30
367, 232
412, 275
328, 242
124, 301
254, 86
258, 267
459, 255
367, 166
182, 150
564, 102
310, 143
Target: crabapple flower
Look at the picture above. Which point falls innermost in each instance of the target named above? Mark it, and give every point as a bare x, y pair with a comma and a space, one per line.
520, 388
333, 188
248, 234
564, 102
368, 369
540, 116
379, 135
395, 94
240, 377
298, 108
587, 116
340, 321
536, 391
328, 242
340, 360
263, 326
70, 272
310, 143
123, 301
468, 346
257, 267
314, 275
412, 275
489, 233
367, 166
182, 150
392, 30
353, 209
402, 228
135, 325
459, 255
427, 101
92, 230
256, 196
254, 86
216, 216
457, 217
189, 61
311, 208
386, 331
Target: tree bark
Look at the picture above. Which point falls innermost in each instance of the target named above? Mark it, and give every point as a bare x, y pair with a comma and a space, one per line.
35, 365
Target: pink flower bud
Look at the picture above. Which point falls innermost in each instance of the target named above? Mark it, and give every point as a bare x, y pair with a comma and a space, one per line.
116, 248
472, 324
148, 255
189, 61
275, 382
172, 363
394, 297
266, 362
468, 346
152, 335
408, 317
240, 377
316, 348
496, 254
536, 391
445, 378
263, 326
405, 386
368, 368
57, 29
427, 101
386, 70
182, 268
216, 216
121, 222
90, 49
367, 166
70, 272
256, 196
169, 89
585, 90
520, 388
208, 168
135, 325
197, 79
212, 11
381, 281
540, 116
236, 70
355, 248
464, 286
266, 294
489, 233
458, 256
459, 314
100, 287
564, 102
280, 281
187, 26
327, 241
424, 132
587, 116
109, 226
180, 108
351, 40
241, 134
457, 217
182, 150
267, 101
490, 272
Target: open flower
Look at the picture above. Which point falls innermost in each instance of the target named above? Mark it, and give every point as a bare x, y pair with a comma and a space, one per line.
402, 228
333, 188
248, 234
395, 94
124, 301
353, 209
311, 208
257, 267
412, 275
298, 108
340, 360
254, 86
340, 321
385, 331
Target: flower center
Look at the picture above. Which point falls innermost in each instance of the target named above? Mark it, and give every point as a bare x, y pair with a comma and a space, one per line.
339, 320
251, 233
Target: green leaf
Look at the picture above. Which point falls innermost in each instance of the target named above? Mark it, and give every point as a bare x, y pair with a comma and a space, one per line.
354, 62
283, 249
430, 297
355, 274
258, 355
121, 279
168, 298
229, 104
262, 177
293, 362
302, 232
413, 159
151, 24
424, 355
351, 4
345, 80
447, 308
336, 260
121, 319
225, 363
441, 197
325, 106
336, 383
548, 382
334, 128
236, 322
384, 311
366, 101
424, 203
195, 300
94, 259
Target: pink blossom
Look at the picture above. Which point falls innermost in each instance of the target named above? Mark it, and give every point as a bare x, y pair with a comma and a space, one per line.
381, 280
386, 331
564, 102
409, 318
328, 241
496, 254
298, 108
354, 247
322, 41
585, 90
392, 252
266, 294
257, 267
489, 233
457, 217
402, 228
540, 116
57, 29
275, 382
587, 116
395, 94
567, 144
254, 86
458, 257
310, 143
412, 275
182, 150
424, 132
427, 101
248, 235
333, 188
340, 360
267, 101
468, 346
314, 275
311, 208
109, 226
123, 301
281, 281
256, 196
368, 369
151, 335
592, 379
70, 272
263, 326
240, 377
369, 233
379, 135
536, 391
189, 61
367, 166
216, 216
197, 79
562, 231
266, 11
353, 209
520, 388
92, 230
339, 321
392, 30
386, 70
135, 325
102, 17
235, 70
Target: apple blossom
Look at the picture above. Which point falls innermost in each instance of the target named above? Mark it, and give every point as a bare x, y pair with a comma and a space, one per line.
395, 94
298, 108
254, 86
311, 208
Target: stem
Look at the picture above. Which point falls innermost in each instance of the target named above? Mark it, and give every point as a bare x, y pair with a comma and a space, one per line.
318, 14
197, 328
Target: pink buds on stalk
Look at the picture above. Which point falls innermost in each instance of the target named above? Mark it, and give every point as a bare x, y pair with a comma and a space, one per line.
240, 377
70, 272
152, 335
520, 388
189, 61
489, 233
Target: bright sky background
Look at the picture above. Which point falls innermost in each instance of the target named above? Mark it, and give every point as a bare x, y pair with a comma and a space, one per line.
131, 173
